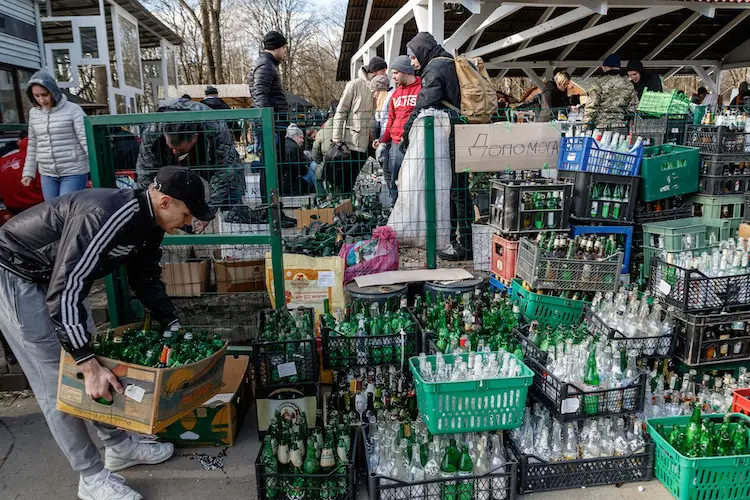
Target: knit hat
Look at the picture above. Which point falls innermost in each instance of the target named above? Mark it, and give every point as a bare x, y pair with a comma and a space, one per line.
635, 66
380, 82
293, 131
273, 40
376, 64
402, 64
211, 90
612, 61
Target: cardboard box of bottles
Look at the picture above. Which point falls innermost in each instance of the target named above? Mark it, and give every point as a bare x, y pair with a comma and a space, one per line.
217, 421
154, 398
306, 216
185, 279
234, 276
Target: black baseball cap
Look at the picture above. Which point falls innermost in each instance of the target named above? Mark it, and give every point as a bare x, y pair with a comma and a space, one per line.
187, 186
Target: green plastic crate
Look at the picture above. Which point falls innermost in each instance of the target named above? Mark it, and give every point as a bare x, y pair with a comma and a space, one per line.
673, 231
471, 406
668, 171
663, 103
711, 478
710, 208
547, 309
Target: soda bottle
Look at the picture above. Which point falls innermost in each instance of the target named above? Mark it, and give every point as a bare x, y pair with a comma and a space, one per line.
465, 472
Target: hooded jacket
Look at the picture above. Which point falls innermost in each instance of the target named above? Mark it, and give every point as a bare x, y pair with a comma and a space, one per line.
265, 84
57, 136
400, 107
439, 77
649, 81
69, 242
354, 113
213, 149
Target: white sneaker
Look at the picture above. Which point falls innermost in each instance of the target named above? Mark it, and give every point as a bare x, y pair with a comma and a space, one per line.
106, 486
144, 450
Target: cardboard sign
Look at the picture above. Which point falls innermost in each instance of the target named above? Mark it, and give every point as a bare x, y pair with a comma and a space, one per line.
496, 147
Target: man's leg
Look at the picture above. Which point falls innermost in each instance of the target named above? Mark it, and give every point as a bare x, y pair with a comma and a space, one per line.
395, 161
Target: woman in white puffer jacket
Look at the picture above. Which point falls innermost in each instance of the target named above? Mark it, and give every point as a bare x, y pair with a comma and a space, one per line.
57, 139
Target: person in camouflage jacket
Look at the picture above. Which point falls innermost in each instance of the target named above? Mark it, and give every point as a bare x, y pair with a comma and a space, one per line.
206, 146
611, 97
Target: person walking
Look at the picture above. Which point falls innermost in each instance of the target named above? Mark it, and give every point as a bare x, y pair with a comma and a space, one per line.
611, 98
50, 256
57, 149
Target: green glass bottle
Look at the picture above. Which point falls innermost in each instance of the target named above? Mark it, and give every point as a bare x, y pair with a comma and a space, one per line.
311, 465
706, 444
724, 446
328, 320
465, 471
270, 466
739, 439
448, 470
693, 430
327, 459
592, 381
607, 196
677, 438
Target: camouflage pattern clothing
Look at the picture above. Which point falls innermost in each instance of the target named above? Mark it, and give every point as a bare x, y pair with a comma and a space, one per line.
610, 99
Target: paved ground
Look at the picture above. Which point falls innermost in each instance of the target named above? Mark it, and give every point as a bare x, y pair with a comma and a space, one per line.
32, 468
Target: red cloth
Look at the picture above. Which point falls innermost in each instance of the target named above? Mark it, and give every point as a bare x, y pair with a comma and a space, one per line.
15, 195
400, 107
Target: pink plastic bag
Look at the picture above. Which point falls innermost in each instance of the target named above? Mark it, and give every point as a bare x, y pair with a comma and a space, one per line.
376, 255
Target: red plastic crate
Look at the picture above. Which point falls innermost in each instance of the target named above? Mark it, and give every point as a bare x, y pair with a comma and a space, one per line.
741, 401
504, 254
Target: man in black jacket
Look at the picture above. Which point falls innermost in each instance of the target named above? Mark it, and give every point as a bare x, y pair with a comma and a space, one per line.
643, 80
50, 256
441, 90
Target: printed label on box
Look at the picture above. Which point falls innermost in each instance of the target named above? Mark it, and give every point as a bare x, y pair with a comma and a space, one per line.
135, 393
287, 369
326, 278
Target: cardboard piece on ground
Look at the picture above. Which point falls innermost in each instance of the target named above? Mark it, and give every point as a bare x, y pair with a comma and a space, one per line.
392, 277
306, 216
744, 230
239, 275
166, 394
497, 147
185, 279
218, 420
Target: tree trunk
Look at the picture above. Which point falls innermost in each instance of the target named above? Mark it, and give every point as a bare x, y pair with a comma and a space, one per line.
216, 40
207, 42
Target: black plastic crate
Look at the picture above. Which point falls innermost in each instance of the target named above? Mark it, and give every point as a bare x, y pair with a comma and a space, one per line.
654, 212
660, 346
313, 485
529, 349
568, 402
530, 206
694, 348
717, 140
720, 165
587, 208
675, 133
691, 291
287, 362
717, 185
341, 352
535, 474
501, 484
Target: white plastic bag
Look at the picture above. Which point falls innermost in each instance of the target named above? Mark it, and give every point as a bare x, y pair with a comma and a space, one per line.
409, 215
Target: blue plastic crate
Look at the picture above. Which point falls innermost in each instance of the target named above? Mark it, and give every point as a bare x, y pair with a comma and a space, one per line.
498, 286
626, 230
583, 154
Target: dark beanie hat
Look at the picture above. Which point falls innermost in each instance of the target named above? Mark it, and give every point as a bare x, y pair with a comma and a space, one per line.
635, 66
612, 61
376, 64
273, 40
211, 90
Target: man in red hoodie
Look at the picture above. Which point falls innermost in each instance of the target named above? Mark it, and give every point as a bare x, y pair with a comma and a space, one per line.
402, 103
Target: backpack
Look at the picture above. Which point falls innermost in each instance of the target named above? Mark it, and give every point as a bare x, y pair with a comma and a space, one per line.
478, 95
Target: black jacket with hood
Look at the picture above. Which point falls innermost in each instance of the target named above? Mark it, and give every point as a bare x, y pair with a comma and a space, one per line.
649, 81
265, 84
68, 242
439, 77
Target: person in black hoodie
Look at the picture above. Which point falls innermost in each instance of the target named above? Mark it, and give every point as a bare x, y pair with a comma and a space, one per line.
643, 80
441, 90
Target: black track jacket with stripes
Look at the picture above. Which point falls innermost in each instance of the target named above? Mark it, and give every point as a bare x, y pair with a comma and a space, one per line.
70, 241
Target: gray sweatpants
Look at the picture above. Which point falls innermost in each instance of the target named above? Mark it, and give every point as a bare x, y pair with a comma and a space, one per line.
31, 336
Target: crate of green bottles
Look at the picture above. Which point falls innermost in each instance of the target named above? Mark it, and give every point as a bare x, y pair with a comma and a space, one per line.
300, 474
286, 351
470, 404
715, 466
490, 477
667, 171
367, 335
569, 268
529, 205
546, 309
604, 198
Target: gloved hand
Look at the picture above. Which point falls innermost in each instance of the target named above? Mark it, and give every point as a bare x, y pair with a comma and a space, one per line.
403, 145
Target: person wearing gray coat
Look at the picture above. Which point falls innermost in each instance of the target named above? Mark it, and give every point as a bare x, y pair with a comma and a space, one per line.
57, 139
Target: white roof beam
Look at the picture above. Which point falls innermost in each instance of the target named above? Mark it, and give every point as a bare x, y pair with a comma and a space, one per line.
402, 16
500, 13
707, 80
473, 6
542, 19
671, 63
673, 36
534, 77
636, 17
365, 23
617, 46
571, 46
393, 42
430, 18
470, 26
509, 41
723, 31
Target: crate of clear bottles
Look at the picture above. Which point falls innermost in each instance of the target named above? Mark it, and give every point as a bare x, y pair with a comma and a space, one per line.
369, 335
557, 262
442, 468
300, 466
608, 155
602, 198
728, 141
529, 205
285, 351
555, 456
713, 338
647, 330
471, 392
702, 458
